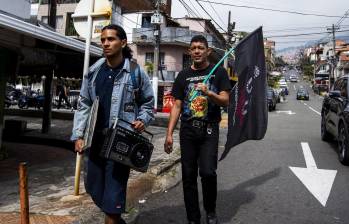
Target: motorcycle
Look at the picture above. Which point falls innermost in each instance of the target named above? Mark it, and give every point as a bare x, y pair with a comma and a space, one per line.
8, 101
11, 97
33, 100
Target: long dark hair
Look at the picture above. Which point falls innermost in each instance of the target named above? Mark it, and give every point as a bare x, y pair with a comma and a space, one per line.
120, 32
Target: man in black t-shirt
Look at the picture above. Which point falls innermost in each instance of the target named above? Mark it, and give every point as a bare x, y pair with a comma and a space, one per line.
199, 131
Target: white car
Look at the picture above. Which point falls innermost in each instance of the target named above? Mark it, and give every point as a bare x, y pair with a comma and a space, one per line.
294, 78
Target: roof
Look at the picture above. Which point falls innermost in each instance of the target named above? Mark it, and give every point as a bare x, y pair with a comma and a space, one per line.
20, 26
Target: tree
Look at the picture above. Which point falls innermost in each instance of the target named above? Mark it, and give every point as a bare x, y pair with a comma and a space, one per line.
305, 65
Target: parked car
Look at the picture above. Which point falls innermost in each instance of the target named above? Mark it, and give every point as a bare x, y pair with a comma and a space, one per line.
335, 118
302, 94
277, 94
283, 86
272, 100
293, 78
320, 84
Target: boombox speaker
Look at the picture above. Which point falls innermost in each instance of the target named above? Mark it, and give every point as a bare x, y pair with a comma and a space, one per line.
128, 147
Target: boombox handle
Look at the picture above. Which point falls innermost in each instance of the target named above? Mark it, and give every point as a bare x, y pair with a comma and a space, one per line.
119, 119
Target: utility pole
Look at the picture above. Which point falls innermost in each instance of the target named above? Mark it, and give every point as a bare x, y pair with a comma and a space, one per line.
227, 39
52, 13
333, 59
231, 27
47, 110
334, 53
156, 20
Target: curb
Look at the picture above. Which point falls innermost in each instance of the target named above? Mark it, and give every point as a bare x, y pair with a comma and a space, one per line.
161, 119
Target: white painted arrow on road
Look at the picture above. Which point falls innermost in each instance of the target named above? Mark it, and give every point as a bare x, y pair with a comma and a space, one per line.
318, 181
285, 112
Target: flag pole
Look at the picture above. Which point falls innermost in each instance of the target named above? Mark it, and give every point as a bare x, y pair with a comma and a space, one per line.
212, 71
86, 65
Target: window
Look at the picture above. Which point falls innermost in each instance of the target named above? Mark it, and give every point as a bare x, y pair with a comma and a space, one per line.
162, 58
337, 85
186, 61
149, 57
146, 21
59, 21
344, 88
44, 19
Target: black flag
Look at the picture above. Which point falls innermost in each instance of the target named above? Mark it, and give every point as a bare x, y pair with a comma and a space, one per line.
247, 111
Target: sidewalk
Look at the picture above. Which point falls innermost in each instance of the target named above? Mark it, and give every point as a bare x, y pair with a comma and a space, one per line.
51, 167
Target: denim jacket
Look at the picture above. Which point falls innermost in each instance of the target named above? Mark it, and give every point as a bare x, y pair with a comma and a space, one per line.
123, 92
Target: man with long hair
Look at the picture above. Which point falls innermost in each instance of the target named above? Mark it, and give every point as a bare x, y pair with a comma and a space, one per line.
199, 131
110, 80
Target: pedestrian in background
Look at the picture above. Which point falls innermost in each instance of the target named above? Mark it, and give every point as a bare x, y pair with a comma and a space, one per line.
199, 130
62, 92
109, 79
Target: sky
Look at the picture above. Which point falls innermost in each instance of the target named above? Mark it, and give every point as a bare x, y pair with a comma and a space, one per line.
274, 23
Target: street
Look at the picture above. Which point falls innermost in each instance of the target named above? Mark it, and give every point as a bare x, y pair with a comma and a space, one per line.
263, 181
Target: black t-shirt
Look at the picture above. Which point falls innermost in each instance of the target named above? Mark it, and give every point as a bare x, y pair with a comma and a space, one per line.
200, 108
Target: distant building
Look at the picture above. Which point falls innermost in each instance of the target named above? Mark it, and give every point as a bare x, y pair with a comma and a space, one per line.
65, 9
175, 38
342, 53
269, 53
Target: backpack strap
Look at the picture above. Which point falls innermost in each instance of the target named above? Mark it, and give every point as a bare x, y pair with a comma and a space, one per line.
134, 72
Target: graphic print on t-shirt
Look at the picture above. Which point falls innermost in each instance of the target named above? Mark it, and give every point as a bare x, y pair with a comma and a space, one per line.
199, 105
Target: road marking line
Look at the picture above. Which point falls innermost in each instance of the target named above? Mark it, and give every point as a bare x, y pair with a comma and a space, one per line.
305, 104
314, 110
309, 159
286, 112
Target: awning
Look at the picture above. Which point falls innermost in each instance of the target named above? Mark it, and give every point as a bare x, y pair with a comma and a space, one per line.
20, 26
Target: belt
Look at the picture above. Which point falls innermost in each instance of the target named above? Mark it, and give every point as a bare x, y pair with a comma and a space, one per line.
200, 124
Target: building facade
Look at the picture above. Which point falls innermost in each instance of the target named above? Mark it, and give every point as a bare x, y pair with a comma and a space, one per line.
174, 42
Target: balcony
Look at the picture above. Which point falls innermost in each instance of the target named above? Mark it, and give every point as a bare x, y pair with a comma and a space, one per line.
172, 35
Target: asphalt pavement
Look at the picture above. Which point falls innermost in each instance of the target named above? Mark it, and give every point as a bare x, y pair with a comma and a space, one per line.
256, 183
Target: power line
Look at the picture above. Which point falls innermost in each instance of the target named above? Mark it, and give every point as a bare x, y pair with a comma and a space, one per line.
197, 11
189, 9
186, 6
342, 18
303, 34
219, 17
273, 10
295, 41
299, 28
197, 1
337, 25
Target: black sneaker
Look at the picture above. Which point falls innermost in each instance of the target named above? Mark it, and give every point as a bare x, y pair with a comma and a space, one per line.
211, 218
